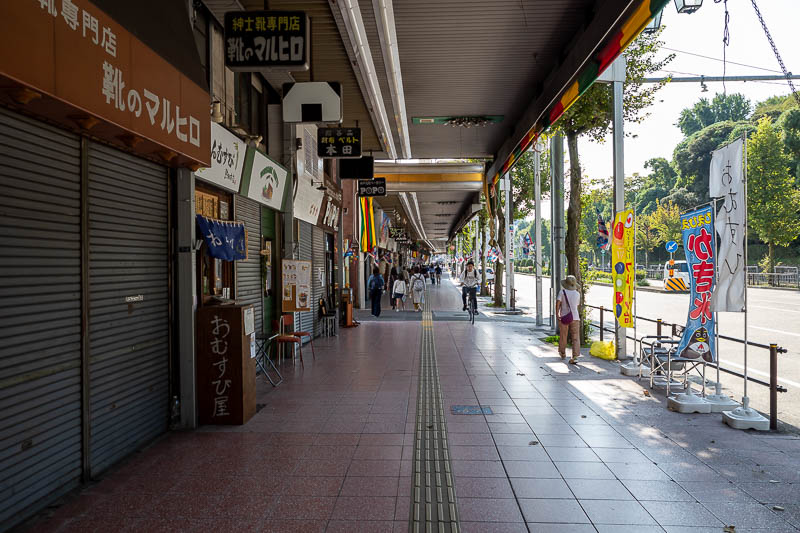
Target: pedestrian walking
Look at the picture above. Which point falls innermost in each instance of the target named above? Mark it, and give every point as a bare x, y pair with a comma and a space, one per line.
569, 322
398, 294
375, 286
390, 285
417, 289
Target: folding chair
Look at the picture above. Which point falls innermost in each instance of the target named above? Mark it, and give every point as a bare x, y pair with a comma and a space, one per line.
263, 361
288, 321
284, 338
327, 318
665, 363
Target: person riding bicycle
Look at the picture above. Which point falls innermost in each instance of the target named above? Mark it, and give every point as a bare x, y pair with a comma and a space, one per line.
469, 282
439, 274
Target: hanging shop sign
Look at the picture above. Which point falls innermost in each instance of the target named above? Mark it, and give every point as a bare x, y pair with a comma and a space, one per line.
699, 245
296, 286
264, 181
79, 57
357, 169
339, 143
256, 40
226, 240
725, 180
373, 187
623, 274
309, 191
228, 154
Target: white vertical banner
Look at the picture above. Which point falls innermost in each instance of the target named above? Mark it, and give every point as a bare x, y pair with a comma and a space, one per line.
725, 181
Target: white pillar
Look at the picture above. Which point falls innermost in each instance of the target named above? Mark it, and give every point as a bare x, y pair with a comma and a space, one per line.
537, 194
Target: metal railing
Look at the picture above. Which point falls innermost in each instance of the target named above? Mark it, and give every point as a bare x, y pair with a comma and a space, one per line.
676, 330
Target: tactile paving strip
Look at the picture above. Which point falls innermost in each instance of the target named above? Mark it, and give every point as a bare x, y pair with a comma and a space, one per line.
433, 496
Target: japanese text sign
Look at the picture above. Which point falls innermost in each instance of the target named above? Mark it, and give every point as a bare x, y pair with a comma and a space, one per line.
699, 245
227, 159
267, 39
75, 53
225, 240
623, 274
339, 143
373, 187
725, 180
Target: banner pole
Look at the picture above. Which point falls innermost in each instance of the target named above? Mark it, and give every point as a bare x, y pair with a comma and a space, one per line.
636, 351
718, 388
745, 399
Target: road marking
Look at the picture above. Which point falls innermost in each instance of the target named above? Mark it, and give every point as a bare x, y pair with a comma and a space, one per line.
782, 310
760, 373
776, 331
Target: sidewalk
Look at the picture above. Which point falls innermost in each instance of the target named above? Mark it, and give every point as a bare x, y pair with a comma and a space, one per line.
566, 448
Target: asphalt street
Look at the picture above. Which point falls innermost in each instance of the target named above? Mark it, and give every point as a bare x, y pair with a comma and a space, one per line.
774, 317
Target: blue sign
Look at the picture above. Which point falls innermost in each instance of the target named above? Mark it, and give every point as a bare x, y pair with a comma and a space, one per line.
672, 247
225, 240
699, 244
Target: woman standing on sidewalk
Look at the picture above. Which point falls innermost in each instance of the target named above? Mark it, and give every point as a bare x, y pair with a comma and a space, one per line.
569, 323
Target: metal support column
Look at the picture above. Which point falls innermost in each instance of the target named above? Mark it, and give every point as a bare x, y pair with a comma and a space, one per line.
509, 270
185, 296
619, 190
557, 219
537, 195
290, 149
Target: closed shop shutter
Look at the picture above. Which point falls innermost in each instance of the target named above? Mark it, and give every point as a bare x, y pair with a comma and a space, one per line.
304, 239
317, 287
40, 319
248, 272
129, 343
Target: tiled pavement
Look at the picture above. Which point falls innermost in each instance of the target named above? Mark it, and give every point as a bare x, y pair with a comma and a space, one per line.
567, 449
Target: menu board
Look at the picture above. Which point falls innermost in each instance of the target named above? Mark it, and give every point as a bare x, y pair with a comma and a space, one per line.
296, 286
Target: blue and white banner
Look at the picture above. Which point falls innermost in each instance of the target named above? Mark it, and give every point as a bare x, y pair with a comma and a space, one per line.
699, 241
225, 240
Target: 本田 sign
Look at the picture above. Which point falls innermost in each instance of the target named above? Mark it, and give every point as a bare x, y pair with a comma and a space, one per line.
373, 187
698, 243
622, 267
227, 159
75, 53
339, 143
267, 39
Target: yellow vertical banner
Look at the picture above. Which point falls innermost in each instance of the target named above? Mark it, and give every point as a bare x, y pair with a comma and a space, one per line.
623, 269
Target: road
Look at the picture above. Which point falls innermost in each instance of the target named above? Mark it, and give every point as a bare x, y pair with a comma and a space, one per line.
774, 317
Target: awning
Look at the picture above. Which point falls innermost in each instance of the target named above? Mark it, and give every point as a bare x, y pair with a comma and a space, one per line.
226, 240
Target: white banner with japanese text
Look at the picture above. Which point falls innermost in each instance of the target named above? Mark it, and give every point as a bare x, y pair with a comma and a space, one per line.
725, 181
227, 159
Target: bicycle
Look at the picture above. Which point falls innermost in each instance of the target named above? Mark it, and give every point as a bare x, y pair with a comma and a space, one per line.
472, 304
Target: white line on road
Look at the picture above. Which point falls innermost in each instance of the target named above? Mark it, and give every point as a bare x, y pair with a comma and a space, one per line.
776, 331
782, 310
760, 373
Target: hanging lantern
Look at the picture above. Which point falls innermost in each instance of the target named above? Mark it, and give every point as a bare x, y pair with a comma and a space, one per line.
654, 23
688, 6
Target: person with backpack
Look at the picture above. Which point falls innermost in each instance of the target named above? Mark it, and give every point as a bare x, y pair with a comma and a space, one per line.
417, 289
438, 274
398, 294
375, 286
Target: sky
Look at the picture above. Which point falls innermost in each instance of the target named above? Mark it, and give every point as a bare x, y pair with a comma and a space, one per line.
701, 33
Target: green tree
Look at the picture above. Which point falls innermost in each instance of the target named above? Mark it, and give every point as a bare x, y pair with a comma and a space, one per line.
773, 201
789, 124
734, 107
656, 185
773, 107
666, 222
647, 238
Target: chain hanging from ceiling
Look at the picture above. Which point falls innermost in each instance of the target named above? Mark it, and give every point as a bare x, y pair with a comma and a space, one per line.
777, 54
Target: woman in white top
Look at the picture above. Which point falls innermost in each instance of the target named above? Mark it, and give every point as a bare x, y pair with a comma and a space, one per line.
417, 286
398, 293
569, 323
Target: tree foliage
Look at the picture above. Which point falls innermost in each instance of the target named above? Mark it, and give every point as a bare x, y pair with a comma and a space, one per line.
666, 222
656, 185
723, 107
773, 201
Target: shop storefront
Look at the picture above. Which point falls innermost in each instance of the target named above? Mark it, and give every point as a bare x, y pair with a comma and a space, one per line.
88, 164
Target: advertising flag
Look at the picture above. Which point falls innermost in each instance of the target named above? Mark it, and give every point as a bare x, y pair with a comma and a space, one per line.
367, 233
622, 268
698, 243
602, 232
725, 181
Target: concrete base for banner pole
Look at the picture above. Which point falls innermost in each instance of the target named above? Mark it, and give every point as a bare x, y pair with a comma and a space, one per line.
632, 368
721, 402
745, 418
688, 402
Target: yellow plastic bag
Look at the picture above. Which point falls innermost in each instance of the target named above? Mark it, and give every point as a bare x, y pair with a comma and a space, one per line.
603, 350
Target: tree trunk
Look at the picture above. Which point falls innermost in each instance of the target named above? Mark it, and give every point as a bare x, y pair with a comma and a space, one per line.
572, 240
482, 251
771, 262
498, 267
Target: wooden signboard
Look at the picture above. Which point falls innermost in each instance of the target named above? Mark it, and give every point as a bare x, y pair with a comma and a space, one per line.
295, 286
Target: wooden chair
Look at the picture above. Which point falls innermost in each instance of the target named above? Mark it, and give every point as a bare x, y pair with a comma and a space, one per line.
288, 321
285, 338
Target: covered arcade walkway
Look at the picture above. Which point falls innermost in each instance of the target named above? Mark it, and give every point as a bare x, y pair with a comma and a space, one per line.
558, 448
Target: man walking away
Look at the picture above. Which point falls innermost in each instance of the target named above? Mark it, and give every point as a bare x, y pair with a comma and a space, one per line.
375, 286
417, 284
569, 323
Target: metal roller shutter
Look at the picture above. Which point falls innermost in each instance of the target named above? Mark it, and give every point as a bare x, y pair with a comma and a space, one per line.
317, 289
248, 272
304, 240
129, 343
40, 319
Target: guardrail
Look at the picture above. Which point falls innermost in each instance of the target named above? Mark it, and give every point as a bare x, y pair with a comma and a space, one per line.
676, 330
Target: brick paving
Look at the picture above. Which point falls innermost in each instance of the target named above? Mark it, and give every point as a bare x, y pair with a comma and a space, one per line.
567, 448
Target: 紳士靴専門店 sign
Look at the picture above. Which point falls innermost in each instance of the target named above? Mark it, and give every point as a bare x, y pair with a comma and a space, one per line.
267, 39
339, 143
77, 56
